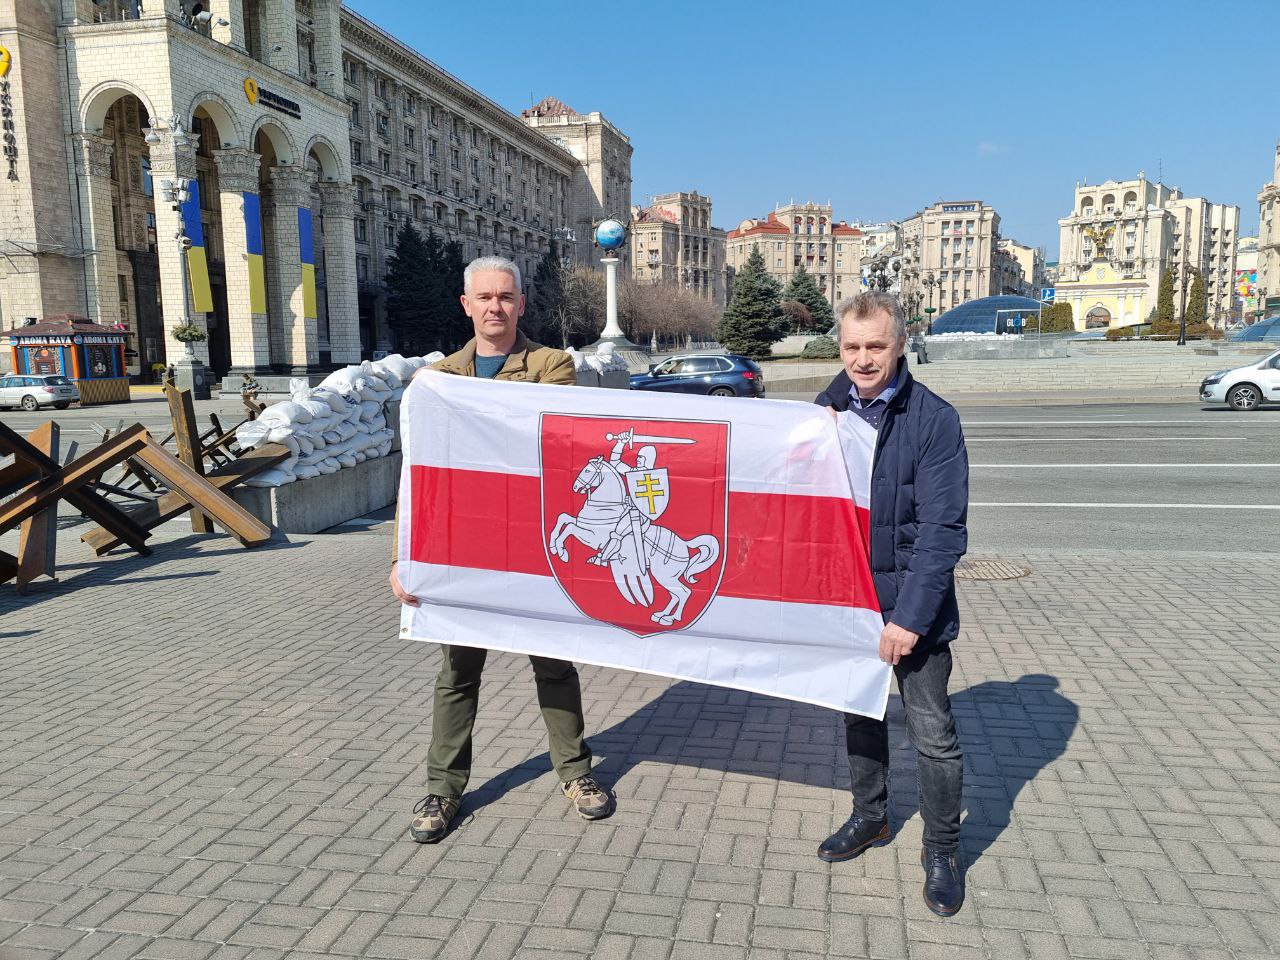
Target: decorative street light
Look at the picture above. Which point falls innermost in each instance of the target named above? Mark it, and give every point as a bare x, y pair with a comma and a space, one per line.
930, 282
1182, 272
177, 192
568, 254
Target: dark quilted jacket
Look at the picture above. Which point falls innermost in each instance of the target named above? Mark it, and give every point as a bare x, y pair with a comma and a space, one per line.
919, 506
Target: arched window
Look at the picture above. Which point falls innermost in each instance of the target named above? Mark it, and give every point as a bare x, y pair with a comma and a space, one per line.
1086, 206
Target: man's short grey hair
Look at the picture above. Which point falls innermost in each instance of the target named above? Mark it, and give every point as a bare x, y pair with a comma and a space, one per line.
488, 265
873, 301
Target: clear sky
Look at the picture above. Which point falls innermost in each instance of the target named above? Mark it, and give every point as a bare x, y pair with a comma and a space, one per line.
882, 108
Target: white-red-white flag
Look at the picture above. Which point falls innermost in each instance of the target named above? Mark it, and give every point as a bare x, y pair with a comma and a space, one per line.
717, 540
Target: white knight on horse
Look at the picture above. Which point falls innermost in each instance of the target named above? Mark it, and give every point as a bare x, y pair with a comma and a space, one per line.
618, 522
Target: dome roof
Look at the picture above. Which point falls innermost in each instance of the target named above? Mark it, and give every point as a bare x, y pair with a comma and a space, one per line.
1265, 330
980, 316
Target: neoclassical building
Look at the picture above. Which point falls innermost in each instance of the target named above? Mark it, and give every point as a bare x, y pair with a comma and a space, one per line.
308, 136
673, 241
801, 235
1121, 236
951, 254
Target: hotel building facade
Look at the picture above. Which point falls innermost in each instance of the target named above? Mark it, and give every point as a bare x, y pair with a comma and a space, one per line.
308, 135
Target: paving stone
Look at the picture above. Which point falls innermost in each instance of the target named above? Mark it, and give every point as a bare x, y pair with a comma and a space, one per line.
243, 794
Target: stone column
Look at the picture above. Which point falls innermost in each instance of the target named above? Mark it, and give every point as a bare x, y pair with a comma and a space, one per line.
170, 160
232, 34
325, 17
93, 168
280, 30
341, 291
245, 260
294, 336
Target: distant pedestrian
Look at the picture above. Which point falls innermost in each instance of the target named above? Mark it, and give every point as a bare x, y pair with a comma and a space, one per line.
499, 351
919, 505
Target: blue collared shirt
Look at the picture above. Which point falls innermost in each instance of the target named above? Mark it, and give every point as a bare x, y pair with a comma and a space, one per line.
872, 410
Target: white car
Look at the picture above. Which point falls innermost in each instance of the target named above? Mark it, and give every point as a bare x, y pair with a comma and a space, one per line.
32, 391
1245, 388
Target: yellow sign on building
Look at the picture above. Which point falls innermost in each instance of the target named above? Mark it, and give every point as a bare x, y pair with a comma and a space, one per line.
5, 60
251, 89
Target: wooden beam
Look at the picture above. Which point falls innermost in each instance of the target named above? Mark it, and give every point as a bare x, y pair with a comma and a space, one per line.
17, 475
66, 482
38, 538
181, 479
190, 447
173, 504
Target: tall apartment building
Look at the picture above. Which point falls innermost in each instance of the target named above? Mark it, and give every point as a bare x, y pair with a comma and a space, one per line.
951, 254
1031, 268
601, 185
673, 241
801, 234
1269, 242
1121, 236
309, 134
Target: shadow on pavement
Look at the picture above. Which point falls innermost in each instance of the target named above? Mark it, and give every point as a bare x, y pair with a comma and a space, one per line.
121, 565
1009, 731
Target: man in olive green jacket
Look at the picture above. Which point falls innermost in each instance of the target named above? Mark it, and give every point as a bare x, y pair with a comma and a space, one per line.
492, 299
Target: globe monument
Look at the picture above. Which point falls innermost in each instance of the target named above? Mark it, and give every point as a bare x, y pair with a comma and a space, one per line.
610, 236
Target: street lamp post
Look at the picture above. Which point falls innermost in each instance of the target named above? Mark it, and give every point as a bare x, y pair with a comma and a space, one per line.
930, 282
1181, 274
189, 372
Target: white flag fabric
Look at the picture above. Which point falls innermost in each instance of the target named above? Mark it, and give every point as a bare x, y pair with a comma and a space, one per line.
718, 540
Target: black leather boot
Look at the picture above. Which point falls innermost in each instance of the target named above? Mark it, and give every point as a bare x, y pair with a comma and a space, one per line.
943, 882
855, 836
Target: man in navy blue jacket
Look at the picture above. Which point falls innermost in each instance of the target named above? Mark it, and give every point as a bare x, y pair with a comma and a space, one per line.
919, 504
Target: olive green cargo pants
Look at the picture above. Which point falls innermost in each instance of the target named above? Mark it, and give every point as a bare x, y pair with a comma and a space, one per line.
457, 698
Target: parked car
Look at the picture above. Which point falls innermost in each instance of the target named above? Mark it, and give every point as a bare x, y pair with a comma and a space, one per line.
719, 376
33, 391
1247, 387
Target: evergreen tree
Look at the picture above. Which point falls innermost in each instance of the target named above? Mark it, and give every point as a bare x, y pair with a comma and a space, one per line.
1197, 311
1164, 323
542, 313
802, 289
412, 312
754, 319
456, 327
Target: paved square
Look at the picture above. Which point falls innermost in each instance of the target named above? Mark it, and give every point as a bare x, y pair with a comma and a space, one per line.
214, 753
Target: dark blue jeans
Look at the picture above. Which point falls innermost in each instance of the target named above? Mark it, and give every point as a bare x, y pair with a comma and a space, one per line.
922, 682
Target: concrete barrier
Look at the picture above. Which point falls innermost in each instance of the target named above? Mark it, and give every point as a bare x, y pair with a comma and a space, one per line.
309, 506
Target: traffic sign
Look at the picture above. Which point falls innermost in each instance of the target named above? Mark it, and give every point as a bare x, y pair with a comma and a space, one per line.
1046, 294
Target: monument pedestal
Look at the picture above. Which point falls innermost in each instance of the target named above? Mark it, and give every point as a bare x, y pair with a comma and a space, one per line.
190, 374
637, 358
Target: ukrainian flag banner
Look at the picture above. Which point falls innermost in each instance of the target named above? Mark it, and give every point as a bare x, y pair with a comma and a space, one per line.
253, 253
306, 253
197, 261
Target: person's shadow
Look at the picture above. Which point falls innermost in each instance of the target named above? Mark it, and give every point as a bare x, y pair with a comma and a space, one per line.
1009, 732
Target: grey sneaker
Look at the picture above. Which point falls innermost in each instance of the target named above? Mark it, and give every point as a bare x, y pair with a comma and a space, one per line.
590, 799
432, 817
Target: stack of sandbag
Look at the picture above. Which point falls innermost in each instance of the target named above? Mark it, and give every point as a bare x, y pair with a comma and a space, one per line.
338, 424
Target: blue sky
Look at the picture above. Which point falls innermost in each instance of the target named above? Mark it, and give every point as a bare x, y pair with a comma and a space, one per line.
883, 108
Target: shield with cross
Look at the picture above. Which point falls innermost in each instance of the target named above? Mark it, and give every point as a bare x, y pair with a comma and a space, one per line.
650, 491
621, 546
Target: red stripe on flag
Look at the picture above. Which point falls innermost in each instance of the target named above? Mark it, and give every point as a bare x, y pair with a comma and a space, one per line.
792, 549
479, 519
798, 549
